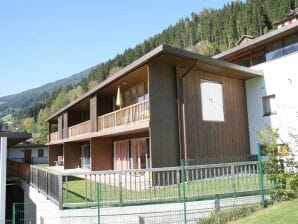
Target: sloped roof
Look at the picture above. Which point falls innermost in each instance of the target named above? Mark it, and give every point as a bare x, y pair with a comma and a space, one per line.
210, 64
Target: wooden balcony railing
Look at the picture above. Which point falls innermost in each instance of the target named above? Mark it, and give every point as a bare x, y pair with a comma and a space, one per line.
79, 129
128, 115
54, 136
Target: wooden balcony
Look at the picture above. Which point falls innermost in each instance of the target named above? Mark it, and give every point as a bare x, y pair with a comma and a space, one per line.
53, 136
79, 129
125, 116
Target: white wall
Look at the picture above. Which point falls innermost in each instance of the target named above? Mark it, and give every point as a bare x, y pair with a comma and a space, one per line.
280, 78
18, 152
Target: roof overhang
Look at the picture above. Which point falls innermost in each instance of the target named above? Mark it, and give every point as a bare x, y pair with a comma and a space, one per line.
258, 42
174, 56
14, 138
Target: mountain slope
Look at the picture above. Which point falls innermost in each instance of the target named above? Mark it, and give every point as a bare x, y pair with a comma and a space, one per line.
22, 101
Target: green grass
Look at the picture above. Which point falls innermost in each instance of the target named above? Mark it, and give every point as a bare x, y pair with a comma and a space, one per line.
74, 190
281, 213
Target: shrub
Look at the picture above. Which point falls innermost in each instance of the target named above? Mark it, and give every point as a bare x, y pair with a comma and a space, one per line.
226, 216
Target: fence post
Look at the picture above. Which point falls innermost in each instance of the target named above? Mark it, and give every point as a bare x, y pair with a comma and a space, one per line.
261, 177
60, 191
217, 204
178, 184
13, 219
183, 191
98, 202
233, 180
120, 189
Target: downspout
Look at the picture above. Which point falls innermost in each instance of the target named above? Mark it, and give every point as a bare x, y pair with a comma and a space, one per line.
181, 113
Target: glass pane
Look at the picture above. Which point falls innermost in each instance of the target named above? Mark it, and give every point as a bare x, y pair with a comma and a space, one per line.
133, 95
291, 44
141, 92
127, 98
274, 50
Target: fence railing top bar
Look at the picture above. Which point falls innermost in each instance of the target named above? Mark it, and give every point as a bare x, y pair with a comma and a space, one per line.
221, 165
163, 169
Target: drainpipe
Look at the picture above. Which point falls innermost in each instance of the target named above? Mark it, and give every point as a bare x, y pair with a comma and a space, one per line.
181, 113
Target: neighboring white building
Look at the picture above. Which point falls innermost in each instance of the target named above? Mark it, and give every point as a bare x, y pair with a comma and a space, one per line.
271, 99
28, 152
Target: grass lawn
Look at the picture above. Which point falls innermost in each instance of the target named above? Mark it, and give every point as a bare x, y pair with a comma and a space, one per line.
281, 213
83, 190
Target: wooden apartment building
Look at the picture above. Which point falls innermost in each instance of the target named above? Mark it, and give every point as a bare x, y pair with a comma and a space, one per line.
174, 105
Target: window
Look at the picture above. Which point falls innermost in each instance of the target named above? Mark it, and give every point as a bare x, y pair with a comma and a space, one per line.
40, 153
269, 105
291, 44
212, 101
274, 50
136, 94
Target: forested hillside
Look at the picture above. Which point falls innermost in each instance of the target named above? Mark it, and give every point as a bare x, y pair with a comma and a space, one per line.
207, 32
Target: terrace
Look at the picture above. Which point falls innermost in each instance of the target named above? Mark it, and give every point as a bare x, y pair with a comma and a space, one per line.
78, 188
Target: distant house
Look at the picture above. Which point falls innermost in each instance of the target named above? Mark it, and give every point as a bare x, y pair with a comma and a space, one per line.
166, 106
271, 99
28, 152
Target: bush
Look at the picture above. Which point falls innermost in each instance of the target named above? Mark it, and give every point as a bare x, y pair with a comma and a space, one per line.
226, 216
279, 169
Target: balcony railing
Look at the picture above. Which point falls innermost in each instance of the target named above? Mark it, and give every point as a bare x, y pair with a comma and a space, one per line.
79, 129
128, 115
54, 136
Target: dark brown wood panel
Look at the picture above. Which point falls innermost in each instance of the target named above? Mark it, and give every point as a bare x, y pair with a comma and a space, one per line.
72, 154
54, 152
101, 154
205, 139
65, 125
93, 113
60, 127
105, 104
163, 115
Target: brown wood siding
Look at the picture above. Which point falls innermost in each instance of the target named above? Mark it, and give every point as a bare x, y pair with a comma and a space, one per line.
60, 127
72, 154
93, 113
54, 152
65, 125
215, 139
101, 154
163, 115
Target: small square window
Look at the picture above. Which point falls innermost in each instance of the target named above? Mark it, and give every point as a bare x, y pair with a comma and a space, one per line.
269, 105
40, 153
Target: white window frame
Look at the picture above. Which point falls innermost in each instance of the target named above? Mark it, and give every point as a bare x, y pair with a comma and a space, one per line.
272, 108
213, 107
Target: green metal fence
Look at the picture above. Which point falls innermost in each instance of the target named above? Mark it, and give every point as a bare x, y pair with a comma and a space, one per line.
183, 194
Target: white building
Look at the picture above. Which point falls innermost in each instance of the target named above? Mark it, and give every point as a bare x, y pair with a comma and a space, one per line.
28, 152
271, 99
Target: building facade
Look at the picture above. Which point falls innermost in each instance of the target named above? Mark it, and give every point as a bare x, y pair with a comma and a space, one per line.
272, 98
166, 106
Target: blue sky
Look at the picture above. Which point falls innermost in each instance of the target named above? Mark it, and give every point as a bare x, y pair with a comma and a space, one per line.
43, 41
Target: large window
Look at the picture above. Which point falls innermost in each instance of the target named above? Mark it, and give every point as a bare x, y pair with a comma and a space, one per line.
269, 105
136, 94
271, 51
212, 101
